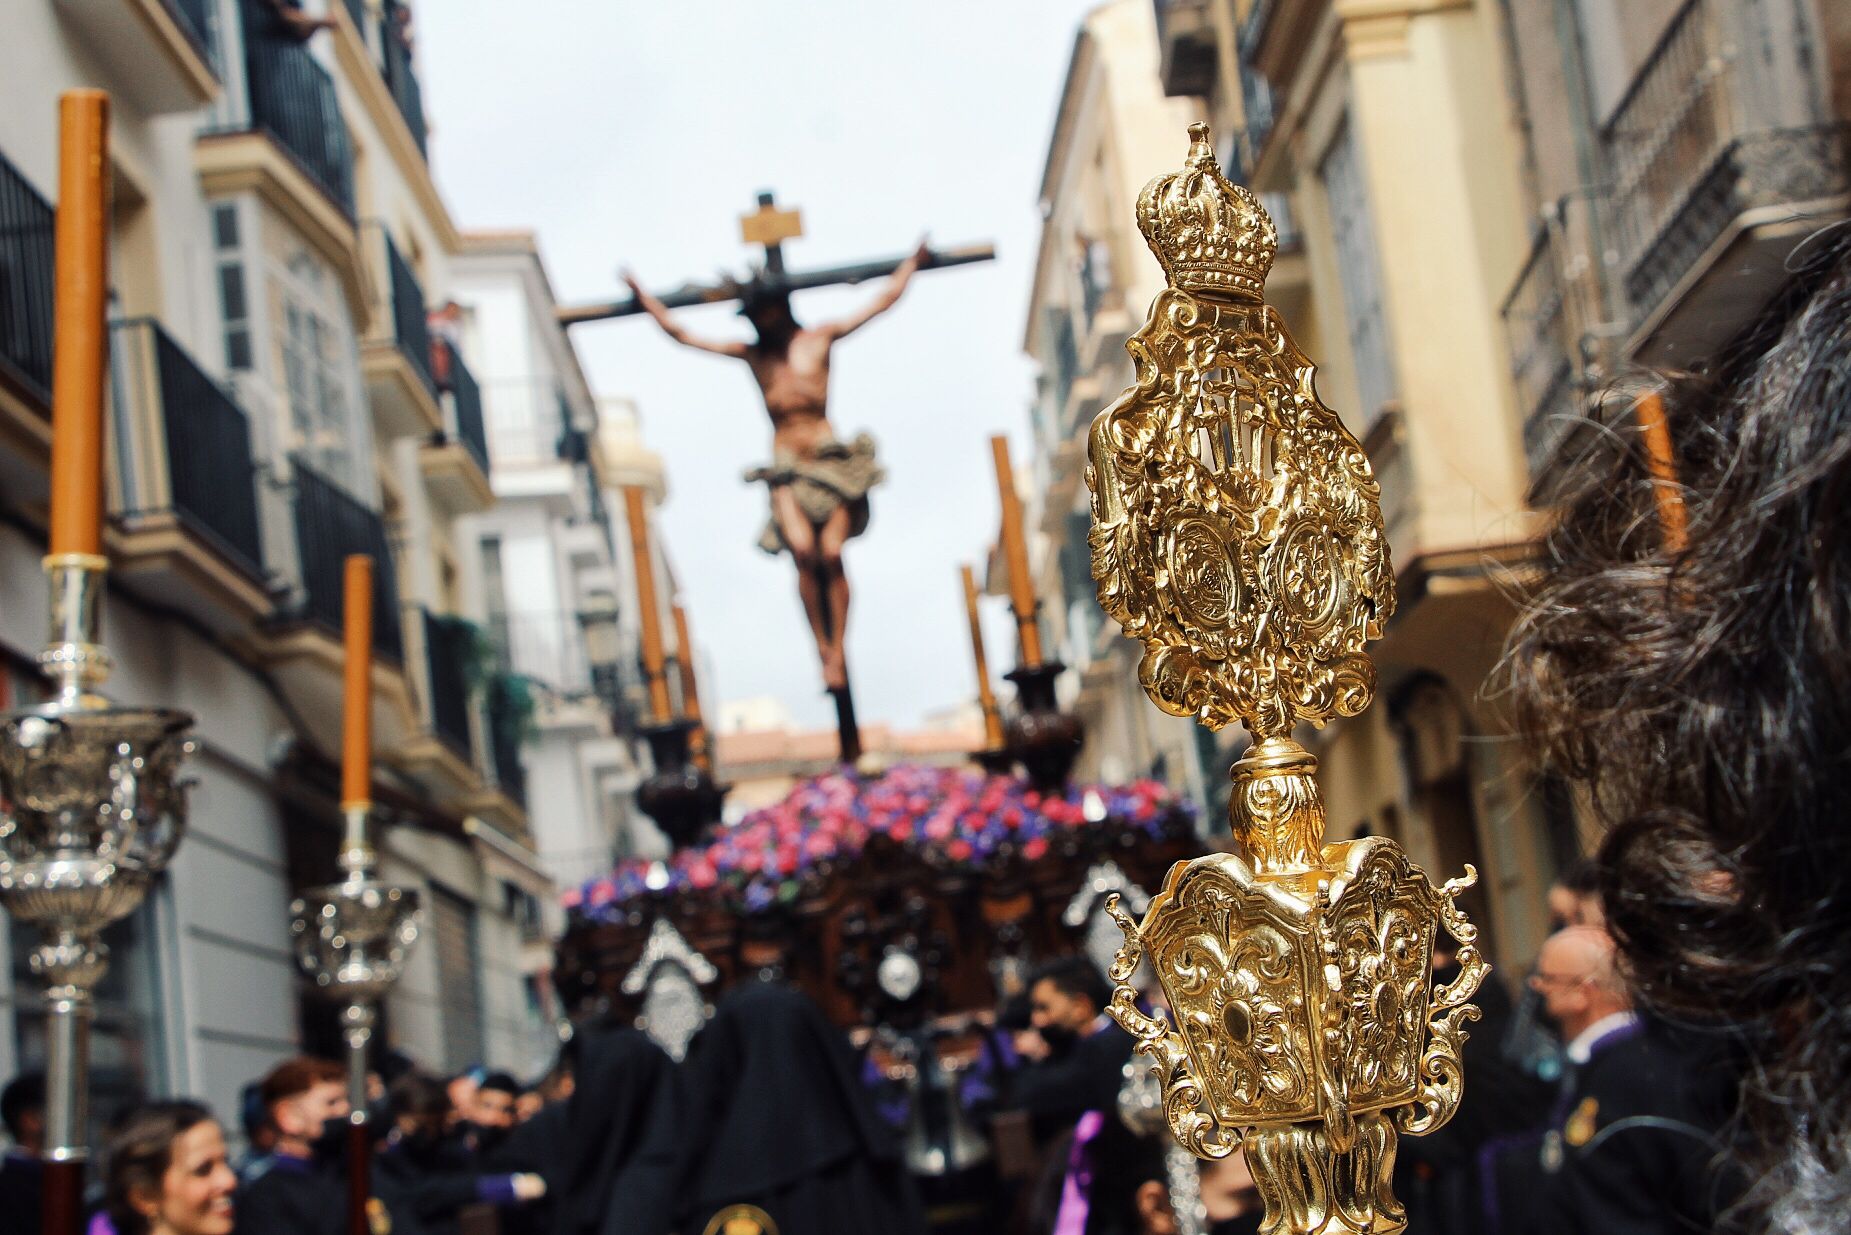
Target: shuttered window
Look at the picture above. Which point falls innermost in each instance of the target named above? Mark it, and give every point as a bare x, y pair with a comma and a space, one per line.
459, 986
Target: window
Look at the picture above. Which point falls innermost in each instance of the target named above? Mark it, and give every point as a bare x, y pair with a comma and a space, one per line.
1603, 51
234, 302
325, 422
453, 937
1353, 230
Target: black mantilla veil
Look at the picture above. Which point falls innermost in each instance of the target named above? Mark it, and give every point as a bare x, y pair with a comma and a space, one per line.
609, 1153
781, 1121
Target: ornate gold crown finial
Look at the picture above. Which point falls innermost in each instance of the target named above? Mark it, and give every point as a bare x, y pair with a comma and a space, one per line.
1238, 536
1209, 235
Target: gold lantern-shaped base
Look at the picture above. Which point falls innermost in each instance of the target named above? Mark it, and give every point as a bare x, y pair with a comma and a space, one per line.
1238, 535
1299, 979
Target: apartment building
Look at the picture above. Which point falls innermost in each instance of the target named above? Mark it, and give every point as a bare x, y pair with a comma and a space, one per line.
280, 399
1114, 130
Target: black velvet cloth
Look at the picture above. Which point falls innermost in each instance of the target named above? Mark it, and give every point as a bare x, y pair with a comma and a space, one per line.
782, 1122
610, 1154
21, 1182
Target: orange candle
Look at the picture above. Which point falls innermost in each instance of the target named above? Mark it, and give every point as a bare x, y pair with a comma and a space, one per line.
80, 349
1015, 552
654, 659
986, 698
1673, 519
357, 700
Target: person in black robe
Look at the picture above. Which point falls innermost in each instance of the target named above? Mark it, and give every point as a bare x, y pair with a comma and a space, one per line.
610, 1153
779, 1120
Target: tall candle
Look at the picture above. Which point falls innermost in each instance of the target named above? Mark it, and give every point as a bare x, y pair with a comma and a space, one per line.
1673, 520
80, 344
690, 688
357, 698
1015, 552
654, 660
986, 698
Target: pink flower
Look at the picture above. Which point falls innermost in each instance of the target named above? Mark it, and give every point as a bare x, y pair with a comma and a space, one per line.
701, 874
959, 850
1035, 848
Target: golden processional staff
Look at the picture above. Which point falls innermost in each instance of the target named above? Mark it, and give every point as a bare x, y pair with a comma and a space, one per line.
1238, 535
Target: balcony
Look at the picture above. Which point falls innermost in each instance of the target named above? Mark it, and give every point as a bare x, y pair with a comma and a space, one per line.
157, 53
396, 68
455, 462
184, 487
302, 647
1717, 162
1188, 56
396, 351
27, 222
331, 525
288, 143
507, 722
442, 751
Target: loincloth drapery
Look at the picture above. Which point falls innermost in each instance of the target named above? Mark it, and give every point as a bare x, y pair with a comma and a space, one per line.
835, 475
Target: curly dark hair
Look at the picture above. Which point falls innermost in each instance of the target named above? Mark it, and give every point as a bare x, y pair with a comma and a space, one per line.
1702, 693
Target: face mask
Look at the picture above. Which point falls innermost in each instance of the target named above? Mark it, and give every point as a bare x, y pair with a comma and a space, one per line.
1059, 1037
332, 1143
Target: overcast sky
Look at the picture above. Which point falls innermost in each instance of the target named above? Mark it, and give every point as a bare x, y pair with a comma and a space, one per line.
637, 133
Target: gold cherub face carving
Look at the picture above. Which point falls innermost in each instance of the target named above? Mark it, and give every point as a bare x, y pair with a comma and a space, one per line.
1237, 526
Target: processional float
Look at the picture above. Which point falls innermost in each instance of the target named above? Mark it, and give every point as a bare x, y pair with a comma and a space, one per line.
1238, 536
92, 806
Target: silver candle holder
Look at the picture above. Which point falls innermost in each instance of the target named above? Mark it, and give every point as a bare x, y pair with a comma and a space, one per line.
92, 807
352, 939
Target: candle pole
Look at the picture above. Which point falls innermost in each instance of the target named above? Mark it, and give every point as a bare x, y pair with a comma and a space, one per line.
1044, 739
994, 757
95, 803
699, 741
352, 938
679, 795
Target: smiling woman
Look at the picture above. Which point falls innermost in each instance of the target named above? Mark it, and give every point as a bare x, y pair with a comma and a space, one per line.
168, 1173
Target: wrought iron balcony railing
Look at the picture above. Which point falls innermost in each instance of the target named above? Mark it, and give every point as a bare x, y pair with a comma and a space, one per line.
331, 524
546, 648
1715, 123
406, 313
1542, 348
506, 720
26, 225
466, 398
183, 445
293, 99
450, 650
395, 66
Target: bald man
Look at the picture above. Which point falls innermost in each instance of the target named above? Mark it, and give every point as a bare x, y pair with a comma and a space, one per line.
1628, 1145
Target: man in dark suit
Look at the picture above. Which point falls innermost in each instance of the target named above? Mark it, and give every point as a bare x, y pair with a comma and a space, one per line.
1076, 1052
1629, 1146
22, 1109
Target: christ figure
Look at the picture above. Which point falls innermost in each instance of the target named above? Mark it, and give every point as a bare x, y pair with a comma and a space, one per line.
818, 484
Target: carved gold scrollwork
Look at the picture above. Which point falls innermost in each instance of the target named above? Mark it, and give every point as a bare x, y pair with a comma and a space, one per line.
1238, 537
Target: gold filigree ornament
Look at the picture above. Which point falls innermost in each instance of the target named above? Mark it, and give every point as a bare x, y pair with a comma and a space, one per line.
1238, 535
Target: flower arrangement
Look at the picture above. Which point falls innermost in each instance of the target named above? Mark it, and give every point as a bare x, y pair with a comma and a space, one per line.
960, 817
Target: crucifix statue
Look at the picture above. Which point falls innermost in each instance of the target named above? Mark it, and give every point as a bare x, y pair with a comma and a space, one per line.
818, 483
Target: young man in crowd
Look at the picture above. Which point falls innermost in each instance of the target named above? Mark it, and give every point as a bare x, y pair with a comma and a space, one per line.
298, 1187
22, 1110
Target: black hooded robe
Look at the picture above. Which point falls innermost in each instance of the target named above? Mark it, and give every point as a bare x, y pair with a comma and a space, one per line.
609, 1153
781, 1121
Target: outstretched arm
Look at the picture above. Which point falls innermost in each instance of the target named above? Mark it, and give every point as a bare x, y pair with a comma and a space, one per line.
674, 329
888, 297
